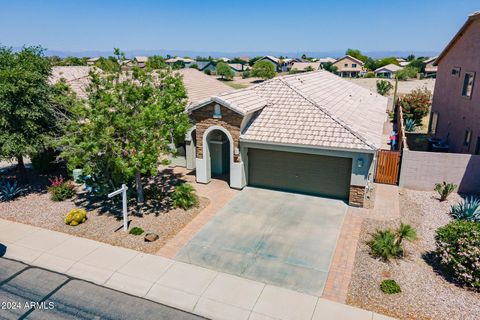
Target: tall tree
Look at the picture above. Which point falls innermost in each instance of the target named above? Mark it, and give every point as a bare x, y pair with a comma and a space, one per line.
356, 54
28, 116
225, 71
129, 119
263, 69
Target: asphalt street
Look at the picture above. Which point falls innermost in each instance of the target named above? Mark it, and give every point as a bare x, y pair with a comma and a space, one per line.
28, 292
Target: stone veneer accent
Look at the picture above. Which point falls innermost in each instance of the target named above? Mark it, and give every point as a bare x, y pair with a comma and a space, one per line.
357, 196
230, 120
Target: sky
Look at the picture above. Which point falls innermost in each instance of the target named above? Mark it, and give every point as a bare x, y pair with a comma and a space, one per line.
233, 26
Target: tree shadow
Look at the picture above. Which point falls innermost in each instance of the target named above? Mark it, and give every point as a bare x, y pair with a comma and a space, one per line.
157, 198
434, 261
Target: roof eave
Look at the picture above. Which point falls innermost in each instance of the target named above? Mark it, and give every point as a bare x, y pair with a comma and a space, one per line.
368, 149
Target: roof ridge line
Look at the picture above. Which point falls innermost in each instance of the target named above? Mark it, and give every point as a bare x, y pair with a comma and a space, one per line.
340, 122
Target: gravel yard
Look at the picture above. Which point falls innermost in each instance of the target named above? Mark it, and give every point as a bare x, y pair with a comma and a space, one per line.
104, 218
425, 293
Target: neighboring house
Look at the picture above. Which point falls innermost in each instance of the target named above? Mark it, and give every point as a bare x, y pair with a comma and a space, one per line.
429, 70
204, 65
304, 66
326, 60
455, 116
224, 59
387, 71
402, 62
140, 61
281, 65
238, 67
184, 62
312, 133
349, 66
92, 61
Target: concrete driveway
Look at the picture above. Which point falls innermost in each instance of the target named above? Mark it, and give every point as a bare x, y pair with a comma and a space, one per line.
275, 237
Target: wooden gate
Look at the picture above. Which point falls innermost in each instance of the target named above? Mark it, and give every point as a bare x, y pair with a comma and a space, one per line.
388, 167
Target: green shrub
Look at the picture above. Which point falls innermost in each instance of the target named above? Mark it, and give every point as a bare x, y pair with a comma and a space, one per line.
10, 190
388, 244
469, 209
444, 189
246, 74
458, 247
136, 231
207, 71
76, 217
384, 87
61, 189
369, 75
406, 73
416, 104
184, 197
390, 286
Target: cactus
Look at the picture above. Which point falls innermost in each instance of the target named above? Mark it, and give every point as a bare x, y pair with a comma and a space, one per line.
444, 189
76, 217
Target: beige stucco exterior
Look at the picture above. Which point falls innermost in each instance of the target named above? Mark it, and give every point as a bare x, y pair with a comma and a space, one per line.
349, 66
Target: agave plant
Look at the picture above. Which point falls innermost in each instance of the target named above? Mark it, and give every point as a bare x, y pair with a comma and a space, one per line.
410, 125
467, 210
10, 190
444, 189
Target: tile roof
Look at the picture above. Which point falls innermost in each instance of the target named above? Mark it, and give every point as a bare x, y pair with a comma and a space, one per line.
316, 109
201, 86
389, 67
301, 66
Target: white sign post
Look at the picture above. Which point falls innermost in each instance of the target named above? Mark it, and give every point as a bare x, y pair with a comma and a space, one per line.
122, 190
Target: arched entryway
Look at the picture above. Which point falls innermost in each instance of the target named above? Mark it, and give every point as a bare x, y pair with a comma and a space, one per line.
218, 145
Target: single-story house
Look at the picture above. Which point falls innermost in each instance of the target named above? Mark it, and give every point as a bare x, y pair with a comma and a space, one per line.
312, 133
305, 66
349, 66
429, 69
387, 71
326, 60
204, 65
238, 67
185, 62
281, 65
140, 61
92, 61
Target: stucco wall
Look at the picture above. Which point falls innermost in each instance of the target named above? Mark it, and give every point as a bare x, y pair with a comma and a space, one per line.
421, 170
204, 119
458, 113
340, 64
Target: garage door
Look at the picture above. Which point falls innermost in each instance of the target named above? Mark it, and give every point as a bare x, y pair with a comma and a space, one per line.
300, 172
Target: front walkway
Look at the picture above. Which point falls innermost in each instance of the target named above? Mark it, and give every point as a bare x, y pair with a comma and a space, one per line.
202, 291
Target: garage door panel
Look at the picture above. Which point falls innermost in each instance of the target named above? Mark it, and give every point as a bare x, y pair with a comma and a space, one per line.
299, 172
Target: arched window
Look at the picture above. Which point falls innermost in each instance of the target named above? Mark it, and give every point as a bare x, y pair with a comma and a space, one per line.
217, 112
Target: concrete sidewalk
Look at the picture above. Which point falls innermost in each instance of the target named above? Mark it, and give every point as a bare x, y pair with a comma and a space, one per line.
191, 288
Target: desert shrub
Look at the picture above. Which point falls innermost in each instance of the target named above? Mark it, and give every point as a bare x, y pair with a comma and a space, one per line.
416, 104
410, 125
76, 217
444, 189
9, 190
388, 244
384, 87
61, 189
469, 209
184, 197
390, 286
458, 247
136, 231
246, 74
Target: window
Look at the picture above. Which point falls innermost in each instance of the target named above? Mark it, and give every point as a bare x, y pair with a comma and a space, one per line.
456, 72
468, 84
354, 65
468, 137
477, 148
346, 65
433, 122
217, 112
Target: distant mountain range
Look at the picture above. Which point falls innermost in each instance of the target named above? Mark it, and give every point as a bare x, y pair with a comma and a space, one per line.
193, 54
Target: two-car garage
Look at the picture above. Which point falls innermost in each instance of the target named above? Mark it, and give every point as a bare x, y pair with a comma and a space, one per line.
314, 174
